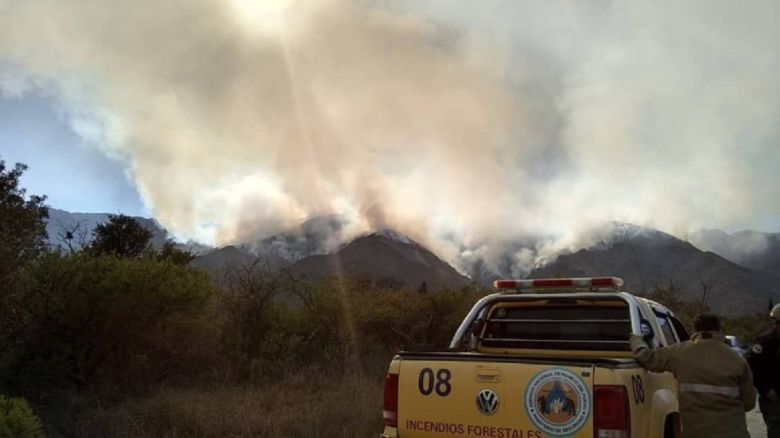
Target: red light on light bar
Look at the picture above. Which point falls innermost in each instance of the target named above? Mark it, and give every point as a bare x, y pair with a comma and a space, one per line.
560, 283
553, 282
606, 281
505, 284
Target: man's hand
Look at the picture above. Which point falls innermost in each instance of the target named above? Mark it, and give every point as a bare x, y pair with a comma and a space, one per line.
638, 343
771, 395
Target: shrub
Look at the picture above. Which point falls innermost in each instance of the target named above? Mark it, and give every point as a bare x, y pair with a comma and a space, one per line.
17, 420
88, 319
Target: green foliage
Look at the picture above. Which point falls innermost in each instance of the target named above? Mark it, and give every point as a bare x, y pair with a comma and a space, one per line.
259, 330
349, 323
307, 356
273, 323
744, 327
22, 237
669, 295
121, 236
88, 319
22, 221
172, 253
17, 420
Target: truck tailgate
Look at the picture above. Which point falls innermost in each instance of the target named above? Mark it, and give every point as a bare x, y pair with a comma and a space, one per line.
440, 397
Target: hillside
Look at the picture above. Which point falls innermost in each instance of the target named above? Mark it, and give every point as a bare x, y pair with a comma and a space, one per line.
751, 249
737, 271
645, 258
80, 225
218, 261
386, 257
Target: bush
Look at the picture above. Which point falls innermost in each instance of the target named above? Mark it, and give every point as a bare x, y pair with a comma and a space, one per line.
360, 322
17, 420
746, 328
86, 320
98, 333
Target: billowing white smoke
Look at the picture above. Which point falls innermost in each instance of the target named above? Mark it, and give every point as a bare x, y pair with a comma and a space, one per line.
471, 127
739, 247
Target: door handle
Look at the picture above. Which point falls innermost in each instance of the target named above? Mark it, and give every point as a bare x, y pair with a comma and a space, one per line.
485, 374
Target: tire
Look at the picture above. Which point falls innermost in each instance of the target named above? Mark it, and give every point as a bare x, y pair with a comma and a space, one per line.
669, 427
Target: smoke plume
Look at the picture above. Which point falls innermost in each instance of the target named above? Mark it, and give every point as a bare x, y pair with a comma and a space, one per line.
471, 126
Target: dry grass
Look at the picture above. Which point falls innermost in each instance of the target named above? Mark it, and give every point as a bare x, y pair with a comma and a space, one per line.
308, 403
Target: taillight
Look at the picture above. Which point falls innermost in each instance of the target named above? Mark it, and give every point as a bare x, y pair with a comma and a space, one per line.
390, 412
611, 416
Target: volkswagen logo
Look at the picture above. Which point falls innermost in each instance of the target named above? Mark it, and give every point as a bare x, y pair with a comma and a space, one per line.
487, 402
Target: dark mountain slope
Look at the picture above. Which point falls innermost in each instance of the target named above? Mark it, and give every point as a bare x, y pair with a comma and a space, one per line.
384, 257
219, 260
646, 258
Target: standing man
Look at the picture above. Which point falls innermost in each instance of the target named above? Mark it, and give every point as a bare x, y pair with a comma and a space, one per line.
764, 359
716, 385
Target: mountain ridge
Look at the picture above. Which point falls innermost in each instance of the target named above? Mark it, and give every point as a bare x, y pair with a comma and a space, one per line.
645, 263
379, 257
644, 257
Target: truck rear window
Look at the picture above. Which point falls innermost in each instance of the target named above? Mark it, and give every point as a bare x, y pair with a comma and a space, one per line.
560, 325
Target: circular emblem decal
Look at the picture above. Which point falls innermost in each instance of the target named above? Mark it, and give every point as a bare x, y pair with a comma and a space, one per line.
558, 402
487, 402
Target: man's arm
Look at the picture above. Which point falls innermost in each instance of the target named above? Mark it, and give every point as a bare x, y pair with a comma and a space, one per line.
659, 360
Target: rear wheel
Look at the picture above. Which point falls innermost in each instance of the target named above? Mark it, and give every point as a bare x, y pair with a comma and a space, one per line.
671, 426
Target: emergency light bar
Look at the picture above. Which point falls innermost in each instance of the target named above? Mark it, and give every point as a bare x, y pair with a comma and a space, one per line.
590, 283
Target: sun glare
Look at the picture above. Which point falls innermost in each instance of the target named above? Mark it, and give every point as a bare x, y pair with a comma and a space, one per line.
262, 16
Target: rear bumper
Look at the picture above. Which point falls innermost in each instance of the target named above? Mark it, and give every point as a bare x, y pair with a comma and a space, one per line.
389, 432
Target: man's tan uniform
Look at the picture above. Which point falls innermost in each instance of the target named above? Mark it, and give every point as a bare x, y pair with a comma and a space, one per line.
716, 385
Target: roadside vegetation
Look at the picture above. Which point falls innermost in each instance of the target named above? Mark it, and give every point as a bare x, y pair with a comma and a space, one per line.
745, 328
116, 338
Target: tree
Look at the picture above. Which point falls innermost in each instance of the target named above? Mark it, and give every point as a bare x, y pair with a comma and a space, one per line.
22, 240
706, 289
248, 295
74, 235
18, 420
122, 236
22, 224
172, 253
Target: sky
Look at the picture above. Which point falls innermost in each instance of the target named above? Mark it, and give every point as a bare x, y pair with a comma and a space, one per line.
73, 176
467, 125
